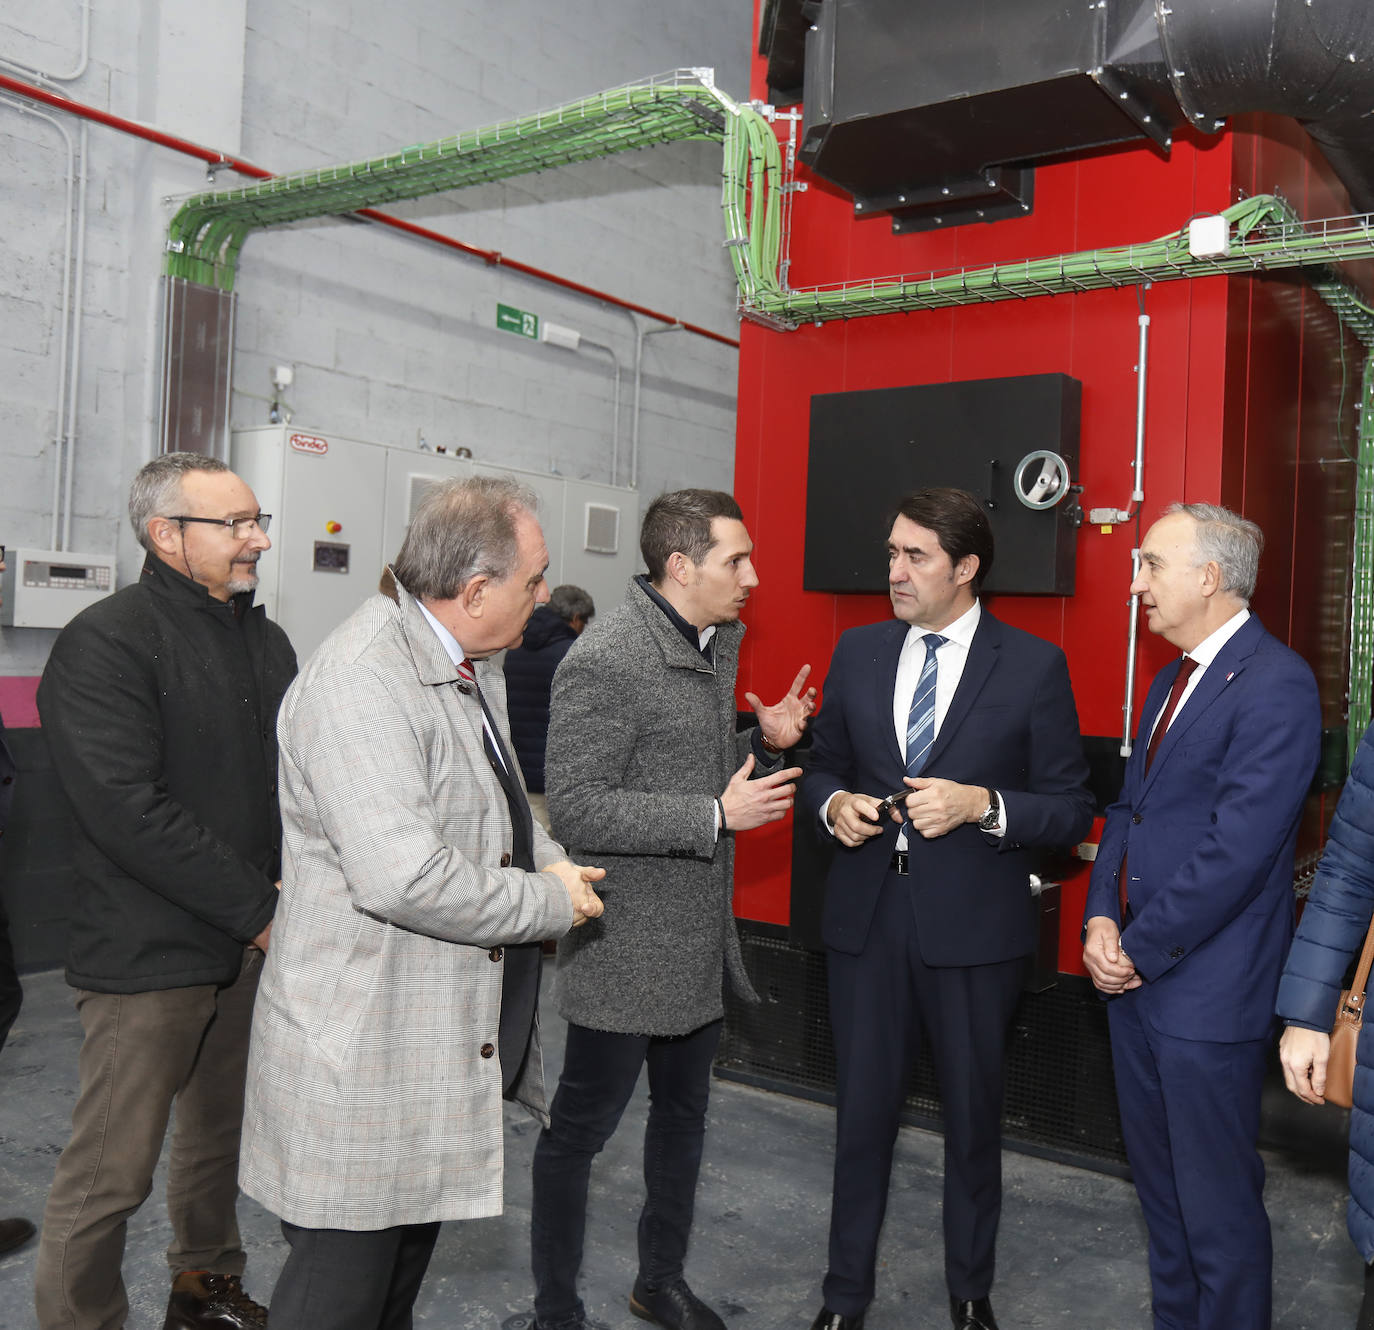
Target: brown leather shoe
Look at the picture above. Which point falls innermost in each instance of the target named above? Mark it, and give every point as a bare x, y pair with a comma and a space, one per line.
214, 1302
15, 1233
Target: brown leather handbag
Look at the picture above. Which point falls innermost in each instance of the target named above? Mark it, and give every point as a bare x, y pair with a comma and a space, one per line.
1345, 1033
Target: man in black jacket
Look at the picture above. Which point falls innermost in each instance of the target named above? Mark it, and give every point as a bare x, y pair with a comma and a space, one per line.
159, 706
552, 629
15, 1231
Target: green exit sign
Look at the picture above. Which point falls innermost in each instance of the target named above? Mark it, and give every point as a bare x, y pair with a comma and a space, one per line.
518, 321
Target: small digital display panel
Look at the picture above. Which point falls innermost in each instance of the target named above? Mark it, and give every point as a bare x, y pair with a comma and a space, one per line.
62, 570
330, 558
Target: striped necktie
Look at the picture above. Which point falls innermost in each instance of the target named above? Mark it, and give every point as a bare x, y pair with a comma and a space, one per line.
920, 724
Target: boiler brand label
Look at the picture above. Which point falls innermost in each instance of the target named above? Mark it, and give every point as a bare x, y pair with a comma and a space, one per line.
310, 443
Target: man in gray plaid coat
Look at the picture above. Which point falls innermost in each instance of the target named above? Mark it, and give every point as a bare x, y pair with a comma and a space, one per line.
644, 770
397, 1006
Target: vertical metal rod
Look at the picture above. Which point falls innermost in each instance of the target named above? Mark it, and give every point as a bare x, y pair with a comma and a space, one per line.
1362, 590
1142, 363
1132, 634
1137, 498
78, 310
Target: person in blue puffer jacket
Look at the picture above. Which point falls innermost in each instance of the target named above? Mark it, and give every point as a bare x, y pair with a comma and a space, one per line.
1330, 934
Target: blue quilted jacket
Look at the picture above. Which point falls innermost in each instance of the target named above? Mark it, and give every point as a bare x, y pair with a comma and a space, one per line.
1329, 936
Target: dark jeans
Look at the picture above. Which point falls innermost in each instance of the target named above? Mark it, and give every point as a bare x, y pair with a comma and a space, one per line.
345, 1280
600, 1070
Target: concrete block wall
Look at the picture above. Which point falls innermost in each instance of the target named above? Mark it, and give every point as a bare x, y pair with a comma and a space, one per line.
390, 338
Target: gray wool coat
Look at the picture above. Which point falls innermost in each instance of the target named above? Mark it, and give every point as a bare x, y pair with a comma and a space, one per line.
641, 742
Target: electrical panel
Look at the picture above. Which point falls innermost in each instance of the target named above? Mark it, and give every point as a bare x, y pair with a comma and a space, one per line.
48, 588
340, 508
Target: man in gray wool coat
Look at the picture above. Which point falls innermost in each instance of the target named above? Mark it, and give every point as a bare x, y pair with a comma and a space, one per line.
644, 772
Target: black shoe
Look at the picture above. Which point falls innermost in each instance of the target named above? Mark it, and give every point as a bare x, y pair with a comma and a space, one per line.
674, 1306
14, 1233
828, 1320
214, 1302
972, 1314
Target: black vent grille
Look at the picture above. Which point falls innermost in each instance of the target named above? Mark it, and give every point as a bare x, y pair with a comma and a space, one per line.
1060, 1101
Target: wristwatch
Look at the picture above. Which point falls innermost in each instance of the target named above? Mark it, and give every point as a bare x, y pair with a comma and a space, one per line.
992, 814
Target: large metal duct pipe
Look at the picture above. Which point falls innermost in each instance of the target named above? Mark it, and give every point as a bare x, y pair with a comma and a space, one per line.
936, 113
1313, 61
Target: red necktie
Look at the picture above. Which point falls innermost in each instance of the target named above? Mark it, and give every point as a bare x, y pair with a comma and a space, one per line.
1185, 670
466, 673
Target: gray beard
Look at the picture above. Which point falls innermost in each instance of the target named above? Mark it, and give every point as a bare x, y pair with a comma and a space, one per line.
245, 582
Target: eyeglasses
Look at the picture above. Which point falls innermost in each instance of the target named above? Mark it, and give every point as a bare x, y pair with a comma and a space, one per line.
241, 527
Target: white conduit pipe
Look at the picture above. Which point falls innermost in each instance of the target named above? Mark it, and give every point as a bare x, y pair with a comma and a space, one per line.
640, 335
1128, 705
64, 336
1137, 498
64, 424
1142, 361
38, 75
74, 377
615, 425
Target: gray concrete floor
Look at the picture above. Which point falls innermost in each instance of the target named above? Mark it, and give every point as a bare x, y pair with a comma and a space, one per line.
1071, 1249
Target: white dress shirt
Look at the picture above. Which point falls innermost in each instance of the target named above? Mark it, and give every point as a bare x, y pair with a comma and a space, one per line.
950, 658
457, 655
1204, 654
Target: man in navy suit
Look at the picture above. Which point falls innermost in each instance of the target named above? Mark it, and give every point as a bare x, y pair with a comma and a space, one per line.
1190, 912
929, 917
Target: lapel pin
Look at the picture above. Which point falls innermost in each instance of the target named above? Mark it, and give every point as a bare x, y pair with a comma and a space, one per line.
1229, 677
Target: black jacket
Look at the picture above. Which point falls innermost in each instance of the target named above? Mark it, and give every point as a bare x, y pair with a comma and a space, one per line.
529, 677
159, 706
7, 770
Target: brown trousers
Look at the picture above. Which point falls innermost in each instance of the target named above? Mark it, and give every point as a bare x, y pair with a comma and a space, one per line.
142, 1053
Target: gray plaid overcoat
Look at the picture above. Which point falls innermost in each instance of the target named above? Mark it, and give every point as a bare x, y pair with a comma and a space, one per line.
374, 1088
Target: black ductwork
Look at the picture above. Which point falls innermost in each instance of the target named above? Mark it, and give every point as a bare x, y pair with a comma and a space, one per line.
1311, 61
937, 112
783, 25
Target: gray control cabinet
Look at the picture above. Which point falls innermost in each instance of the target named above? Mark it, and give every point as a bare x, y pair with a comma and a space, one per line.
340, 508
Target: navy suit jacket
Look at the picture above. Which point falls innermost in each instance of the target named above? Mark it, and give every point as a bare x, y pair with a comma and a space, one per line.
1208, 837
1011, 726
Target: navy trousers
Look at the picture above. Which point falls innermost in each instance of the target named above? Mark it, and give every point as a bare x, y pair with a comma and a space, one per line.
1190, 1118
879, 1000
600, 1070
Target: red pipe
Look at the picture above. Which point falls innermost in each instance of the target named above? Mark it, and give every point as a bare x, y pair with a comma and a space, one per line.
56, 99
494, 257
216, 158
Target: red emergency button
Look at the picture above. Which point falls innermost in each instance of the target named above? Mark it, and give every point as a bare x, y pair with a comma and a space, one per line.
333, 527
